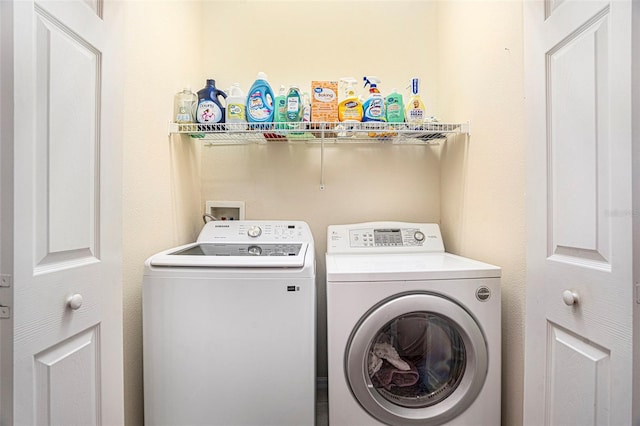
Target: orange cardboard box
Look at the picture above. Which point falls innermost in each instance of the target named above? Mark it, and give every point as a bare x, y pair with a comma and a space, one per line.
324, 101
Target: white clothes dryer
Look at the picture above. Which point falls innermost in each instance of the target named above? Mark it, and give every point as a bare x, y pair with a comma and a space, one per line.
414, 333
229, 327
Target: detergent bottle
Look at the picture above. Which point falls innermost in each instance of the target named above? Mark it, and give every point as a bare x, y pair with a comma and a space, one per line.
236, 117
260, 101
373, 108
294, 109
210, 110
280, 111
395, 107
350, 107
415, 111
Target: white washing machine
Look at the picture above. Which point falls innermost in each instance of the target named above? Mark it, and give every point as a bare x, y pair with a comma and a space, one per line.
229, 327
414, 333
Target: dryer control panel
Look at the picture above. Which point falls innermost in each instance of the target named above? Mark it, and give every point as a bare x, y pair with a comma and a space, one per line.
380, 237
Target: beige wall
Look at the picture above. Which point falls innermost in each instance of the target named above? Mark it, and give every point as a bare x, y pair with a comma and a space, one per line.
483, 179
469, 57
393, 40
161, 203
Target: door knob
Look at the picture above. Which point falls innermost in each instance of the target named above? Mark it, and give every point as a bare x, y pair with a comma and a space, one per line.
75, 301
570, 297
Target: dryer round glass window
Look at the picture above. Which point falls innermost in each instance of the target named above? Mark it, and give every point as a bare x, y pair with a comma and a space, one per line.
416, 358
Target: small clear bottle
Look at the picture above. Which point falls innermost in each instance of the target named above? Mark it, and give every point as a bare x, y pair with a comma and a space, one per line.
183, 105
306, 108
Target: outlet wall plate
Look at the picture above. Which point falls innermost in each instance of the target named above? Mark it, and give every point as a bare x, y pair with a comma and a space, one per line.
225, 210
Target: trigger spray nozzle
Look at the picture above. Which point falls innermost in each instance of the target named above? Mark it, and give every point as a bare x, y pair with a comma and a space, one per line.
347, 86
414, 86
372, 82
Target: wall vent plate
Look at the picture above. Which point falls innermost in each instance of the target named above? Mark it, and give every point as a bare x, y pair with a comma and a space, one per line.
225, 210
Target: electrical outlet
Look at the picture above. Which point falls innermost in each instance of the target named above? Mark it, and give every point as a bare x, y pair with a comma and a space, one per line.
225, 210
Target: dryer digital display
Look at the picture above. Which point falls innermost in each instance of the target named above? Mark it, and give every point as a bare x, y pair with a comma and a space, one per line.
391, 237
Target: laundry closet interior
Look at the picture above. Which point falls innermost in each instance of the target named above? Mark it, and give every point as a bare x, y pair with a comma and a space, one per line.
468, 55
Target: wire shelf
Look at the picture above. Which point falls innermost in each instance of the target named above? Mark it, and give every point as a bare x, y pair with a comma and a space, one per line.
367, 132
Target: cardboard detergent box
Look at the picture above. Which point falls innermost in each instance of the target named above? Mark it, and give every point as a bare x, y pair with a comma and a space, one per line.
324, 101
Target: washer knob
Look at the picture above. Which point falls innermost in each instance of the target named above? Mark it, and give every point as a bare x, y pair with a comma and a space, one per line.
254, 231
419, 236
255, 251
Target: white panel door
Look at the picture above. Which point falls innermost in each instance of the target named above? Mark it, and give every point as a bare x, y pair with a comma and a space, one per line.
67, 280
578, 366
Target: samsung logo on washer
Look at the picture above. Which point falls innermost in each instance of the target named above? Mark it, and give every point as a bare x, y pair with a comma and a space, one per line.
220, 226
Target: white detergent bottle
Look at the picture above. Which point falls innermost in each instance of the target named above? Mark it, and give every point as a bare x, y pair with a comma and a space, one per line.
236, 108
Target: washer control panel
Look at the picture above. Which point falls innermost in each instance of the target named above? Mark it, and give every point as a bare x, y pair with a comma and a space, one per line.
261, 231
384, 237
245, 244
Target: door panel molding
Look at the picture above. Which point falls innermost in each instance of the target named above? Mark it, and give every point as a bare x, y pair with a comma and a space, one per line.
67, 146
578, 168
62, 369
574, 362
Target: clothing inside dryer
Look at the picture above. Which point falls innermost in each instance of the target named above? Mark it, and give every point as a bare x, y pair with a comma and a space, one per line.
417, 359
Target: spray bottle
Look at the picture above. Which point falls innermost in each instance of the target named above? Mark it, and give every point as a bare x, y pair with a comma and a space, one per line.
374, 109
415, 111
350, 107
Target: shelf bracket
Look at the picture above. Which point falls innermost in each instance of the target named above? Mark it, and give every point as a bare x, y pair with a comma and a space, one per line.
466, 128
173, 128
322, 157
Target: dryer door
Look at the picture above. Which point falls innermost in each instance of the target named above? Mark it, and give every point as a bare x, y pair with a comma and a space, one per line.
417, 358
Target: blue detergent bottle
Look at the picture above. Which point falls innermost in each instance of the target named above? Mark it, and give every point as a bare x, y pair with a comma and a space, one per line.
260, 106
209, 109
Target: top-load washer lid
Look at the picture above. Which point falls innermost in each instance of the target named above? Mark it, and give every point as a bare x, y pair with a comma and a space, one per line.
379, 251
245, 244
